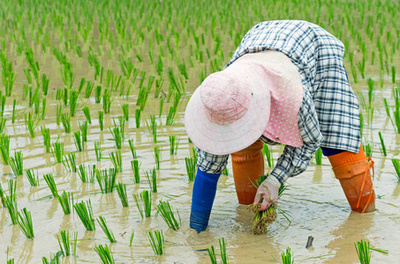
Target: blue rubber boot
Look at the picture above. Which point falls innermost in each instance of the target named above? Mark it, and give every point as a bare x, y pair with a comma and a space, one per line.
204, 189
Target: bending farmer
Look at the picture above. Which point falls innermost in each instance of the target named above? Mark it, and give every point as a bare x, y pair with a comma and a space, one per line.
285, 84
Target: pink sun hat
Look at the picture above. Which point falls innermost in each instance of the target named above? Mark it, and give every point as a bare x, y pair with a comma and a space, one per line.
232, 108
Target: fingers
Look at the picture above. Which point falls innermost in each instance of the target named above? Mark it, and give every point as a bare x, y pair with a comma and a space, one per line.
257, 198
264, 205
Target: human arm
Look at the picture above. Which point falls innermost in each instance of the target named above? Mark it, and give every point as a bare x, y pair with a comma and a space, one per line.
293, 160
209, 169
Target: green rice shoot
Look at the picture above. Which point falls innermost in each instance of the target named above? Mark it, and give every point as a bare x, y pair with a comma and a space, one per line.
107, 231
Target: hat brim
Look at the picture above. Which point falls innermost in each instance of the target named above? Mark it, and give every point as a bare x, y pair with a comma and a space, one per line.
227, 138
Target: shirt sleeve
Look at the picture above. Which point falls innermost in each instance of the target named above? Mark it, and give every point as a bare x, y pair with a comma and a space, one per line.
294, 161
211, 163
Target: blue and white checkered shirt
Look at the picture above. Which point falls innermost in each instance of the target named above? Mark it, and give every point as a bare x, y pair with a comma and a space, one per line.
328, 115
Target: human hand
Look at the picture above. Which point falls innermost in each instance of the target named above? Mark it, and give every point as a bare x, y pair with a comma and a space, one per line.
268, 193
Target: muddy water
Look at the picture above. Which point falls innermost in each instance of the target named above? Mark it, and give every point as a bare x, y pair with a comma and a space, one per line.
314, 200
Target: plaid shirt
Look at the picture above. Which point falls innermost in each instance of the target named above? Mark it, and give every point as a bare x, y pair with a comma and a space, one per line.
329, 110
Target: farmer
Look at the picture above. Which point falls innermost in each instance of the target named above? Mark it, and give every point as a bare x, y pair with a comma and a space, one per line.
285, 84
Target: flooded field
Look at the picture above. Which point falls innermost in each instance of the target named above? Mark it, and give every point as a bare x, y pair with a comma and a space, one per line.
124, 59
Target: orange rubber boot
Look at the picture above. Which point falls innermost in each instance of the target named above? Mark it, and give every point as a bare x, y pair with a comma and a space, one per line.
247, 165
353, 172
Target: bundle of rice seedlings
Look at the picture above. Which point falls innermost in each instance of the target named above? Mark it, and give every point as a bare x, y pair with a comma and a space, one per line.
262, 219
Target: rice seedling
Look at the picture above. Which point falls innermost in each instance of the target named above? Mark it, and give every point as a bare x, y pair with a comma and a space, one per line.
66, 199
58, 151
66, 122
101, 120
13, 111
383, 147
396, 165
97, 149
368, 150
125, 111
36, 104
262, 219
103, 224
87, 175
75, 242
106, 101
173, 145
135, 169
43, 109
161, 106
33, 65
2, 124
11, 260
396, 114
287, 256
79, 144
157, 241
54, 259
142, 97
86, 112
117, 137
10, 201
51, 183
85, 213
58, 114
318, 156
167, 213
152, 127
25, 223
393, 74
170, 120
16, 163
363, 251
371, 92
68, 77
121, 121
116, 160
105, 254
131, 238
32, 177
144, 205
106, 179
157, 90
157, 156
65, 96
89, 89
224, 255
81, 85
70, 162
267, 151
182, 68
213, 256
30, 124
73, 99
5, 148
46, 138
137, 117
121, 190
97, 94
190, 168
64, 243
153, 180
132, 148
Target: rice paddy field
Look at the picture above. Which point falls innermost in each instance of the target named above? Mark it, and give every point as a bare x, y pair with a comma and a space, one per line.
96, 166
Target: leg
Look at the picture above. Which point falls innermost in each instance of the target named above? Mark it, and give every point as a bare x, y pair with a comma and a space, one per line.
353, 172
247, 165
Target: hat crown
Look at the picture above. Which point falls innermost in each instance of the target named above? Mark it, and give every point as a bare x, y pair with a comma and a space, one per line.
225, 98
